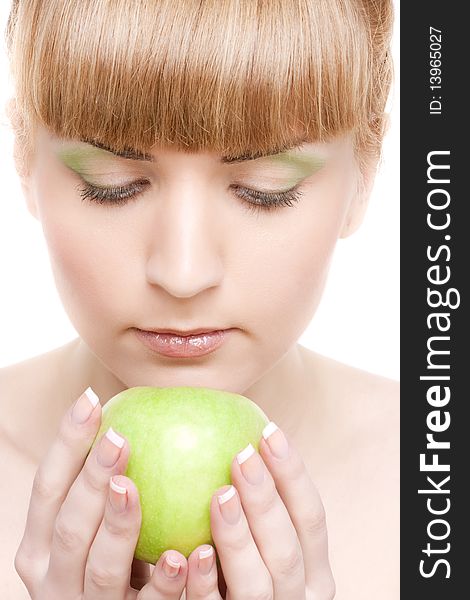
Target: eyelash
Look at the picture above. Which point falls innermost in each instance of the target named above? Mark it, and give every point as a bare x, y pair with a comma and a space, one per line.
120, 195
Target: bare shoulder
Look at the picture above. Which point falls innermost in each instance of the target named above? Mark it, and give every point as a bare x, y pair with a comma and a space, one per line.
342, 387
19, 398
357, 474
29, 412
361, 416
359, 382
360, 412
36, 371
28, 392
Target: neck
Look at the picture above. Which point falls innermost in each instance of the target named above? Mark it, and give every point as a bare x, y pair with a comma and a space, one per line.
281, 392
87, 370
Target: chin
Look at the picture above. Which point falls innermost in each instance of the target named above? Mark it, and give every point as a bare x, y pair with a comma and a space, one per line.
187, 376
223, 371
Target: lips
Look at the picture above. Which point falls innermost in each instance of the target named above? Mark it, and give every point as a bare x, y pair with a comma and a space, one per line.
183, 344
186, 333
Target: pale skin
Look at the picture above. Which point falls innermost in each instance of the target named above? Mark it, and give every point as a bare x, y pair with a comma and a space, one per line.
325, 517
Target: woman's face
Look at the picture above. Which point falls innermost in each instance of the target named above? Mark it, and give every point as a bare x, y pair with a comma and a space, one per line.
185, 246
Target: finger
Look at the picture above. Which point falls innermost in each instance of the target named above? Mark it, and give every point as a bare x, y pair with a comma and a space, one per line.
82, 511
168, 578
245, 573
109, 565
202, 582
58, 470
270, 524
303, 503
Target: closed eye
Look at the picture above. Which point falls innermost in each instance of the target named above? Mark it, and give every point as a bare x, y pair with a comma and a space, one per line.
254, 199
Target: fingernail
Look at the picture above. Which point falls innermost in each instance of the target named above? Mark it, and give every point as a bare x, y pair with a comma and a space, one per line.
229, 505
276, 440
84, 406
117, 495
206, 560
171, 567
110, 448
251, 465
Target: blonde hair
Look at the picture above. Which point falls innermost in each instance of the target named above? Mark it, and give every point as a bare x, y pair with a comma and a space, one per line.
238, 77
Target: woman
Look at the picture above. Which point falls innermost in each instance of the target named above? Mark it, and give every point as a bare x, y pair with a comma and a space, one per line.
192, 165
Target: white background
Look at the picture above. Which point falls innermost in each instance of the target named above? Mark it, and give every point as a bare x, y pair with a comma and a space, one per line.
356, 323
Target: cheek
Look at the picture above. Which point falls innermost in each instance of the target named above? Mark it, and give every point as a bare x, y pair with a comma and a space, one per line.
289, 270
81, 271
288, 289
87, 263
86, 252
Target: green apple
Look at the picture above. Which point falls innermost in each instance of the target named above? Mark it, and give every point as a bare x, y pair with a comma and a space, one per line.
182, 443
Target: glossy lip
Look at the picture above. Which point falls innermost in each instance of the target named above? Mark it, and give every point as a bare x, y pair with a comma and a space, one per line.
181, 333
174, 344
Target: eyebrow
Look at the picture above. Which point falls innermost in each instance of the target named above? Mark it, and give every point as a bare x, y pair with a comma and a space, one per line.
126, 153
131, 154
282, 150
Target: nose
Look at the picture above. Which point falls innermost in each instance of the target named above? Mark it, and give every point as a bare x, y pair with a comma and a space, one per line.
185, 251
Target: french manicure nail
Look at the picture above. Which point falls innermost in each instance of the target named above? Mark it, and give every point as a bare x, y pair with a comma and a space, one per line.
117, 495
206, 560
110, 448
276, 440
84, 406
229, 505
251, 465
171, 567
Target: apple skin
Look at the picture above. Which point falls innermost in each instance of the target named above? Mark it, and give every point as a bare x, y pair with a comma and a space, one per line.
182, 444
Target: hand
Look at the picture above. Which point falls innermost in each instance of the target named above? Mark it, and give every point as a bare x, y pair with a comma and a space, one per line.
79, 542
274, 544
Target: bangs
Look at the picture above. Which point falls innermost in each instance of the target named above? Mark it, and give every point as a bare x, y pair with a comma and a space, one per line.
236, 77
